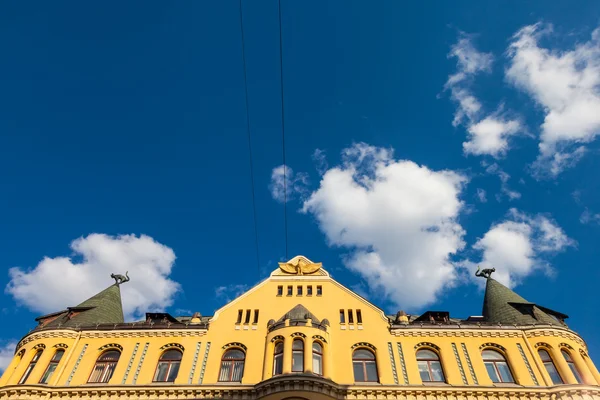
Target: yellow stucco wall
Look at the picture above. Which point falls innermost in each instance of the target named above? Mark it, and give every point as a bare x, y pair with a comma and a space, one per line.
459, 348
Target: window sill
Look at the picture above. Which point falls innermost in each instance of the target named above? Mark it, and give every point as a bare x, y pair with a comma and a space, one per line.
436, 384
506, 384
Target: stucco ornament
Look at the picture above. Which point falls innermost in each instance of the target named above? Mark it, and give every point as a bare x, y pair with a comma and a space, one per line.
300, 266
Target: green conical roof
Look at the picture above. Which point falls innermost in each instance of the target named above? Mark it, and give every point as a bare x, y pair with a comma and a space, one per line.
103, 308
502, 305
299, 312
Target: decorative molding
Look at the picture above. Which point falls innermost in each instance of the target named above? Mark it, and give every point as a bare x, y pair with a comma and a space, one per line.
60, 346
527, 364
469, 364
493, 345
427, 344
298, 334
172, 346
542, 344
204, 363
402, 363
235, 344
21, 353
460, 366
130, 363
566, 345
39, 346
139, 367
194, 362
319, 338
556, 333
85, 346
363, 344
276, 338
393, 362
111, 346
583, 353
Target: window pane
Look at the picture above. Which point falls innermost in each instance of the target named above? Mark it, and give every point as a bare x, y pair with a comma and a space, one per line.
426, 354
173, 372
575, 372
237, 354
298, 345
297, 361
556, 379
238, 371
363, 354
492, 372
317, 347
279, 348
424, 371
108, 372
436, 370
161, 372
278, 364
225, 371
174, 355
566, 355
97, 373
58, 355
317, 363
359, 375
36, 356
505, 374
48, 373
544, 355
371, 371
110, 356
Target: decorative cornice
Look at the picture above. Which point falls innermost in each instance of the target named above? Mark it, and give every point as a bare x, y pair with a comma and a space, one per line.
235, 344
319, 338
172, 346
492, 345
363, 344
427, 344
111, 346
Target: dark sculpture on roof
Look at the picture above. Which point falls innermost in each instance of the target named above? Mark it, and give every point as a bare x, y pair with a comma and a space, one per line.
120, 278
485, 273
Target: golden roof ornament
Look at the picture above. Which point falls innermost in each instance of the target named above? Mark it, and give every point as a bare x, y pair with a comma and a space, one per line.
300, 266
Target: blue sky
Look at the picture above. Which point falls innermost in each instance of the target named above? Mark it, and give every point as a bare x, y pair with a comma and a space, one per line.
420, 142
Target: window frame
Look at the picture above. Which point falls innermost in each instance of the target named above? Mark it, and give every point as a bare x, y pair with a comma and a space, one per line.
233, 362
290, 290
298, 351
280, 290
309, 290
358, 316
53, 362
278, 355
364, 363
319, 357
31, 366
319, 290
571, 364
170, 363
428, 362
495, 363
550, 361
106, 374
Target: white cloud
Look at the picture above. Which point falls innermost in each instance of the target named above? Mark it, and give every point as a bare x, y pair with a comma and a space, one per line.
588, 217
56, 283
320, 160
519, 245
230, 292
7, 351
397, 219
494, 169
566, 84
487, 135
481, 195
285, 185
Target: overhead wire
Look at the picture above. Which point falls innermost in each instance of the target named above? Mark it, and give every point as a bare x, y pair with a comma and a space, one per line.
249, 140
285, 222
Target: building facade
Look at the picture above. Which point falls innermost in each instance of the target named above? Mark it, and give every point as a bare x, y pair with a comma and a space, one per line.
301, 335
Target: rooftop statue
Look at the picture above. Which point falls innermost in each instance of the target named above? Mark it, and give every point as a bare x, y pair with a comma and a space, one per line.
299, 266
485, 273
119, 279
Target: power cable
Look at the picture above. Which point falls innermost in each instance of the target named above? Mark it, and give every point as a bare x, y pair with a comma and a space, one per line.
283, 134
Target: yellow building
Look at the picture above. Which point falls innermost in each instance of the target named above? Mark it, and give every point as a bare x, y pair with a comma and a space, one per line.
301, 335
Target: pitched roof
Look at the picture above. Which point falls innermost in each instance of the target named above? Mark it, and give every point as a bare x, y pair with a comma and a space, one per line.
299, 312
502, 305
103, 308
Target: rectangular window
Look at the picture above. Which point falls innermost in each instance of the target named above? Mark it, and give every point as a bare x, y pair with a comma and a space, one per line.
342, 317
299, 288
239, 319
247, 320
309, 290
358, 316
350, 317
279, 290
290, 290
255, 317
319, 290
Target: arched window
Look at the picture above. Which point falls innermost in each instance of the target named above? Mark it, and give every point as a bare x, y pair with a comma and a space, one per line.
278, 359
105, 366
365, 368
232, 366
168, 366
31, 366
298, 355
550, 367
430, 367
571, 365
317, 358
496, 366
52, 365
